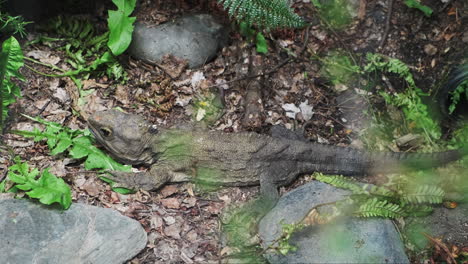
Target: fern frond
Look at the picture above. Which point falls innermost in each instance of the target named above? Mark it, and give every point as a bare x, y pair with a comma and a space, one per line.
267, 14
382, 208
424, 194
418, 210
340, 181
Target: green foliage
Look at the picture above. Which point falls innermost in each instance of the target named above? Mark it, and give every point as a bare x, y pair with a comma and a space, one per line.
375, 207
121, 26
339, 68
240, 230
340, 181
401, 197
77, 143
335, 13
284, 247
87, 50
39, 185
409, 101
261, 44
268, 14
317, 3
424, 194
11, 60
459, 137
416, 4
12, 24
260, 41
457, 94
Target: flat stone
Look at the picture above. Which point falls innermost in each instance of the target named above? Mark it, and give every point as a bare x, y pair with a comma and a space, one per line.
349, 240
195, 38
449, 224
34, 233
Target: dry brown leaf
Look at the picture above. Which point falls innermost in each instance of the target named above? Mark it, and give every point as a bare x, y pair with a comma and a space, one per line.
121, 94
168, 190
91, 83
172, 203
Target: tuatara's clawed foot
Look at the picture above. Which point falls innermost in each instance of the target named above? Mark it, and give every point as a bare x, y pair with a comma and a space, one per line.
131, 180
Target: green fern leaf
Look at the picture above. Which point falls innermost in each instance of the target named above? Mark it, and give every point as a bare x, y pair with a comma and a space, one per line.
424, 194
379, 208
267, 14
341, 182
418, 210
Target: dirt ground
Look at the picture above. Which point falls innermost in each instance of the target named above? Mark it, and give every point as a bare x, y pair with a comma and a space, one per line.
184, 226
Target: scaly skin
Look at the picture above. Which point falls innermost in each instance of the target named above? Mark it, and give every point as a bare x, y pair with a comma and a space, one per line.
236, 159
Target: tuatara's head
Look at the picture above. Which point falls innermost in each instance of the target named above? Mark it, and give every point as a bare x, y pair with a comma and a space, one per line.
126, 136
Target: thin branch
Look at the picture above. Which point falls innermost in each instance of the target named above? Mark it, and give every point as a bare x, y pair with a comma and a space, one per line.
387, 24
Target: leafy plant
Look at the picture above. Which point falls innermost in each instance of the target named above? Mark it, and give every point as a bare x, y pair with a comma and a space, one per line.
12, 24
260, 41
11, 60
398, 198
416, 4
39, 185
266, 14
457, 94
409, 101
120, 26
284, 247
87, 51
339, 68
375, 207
240, 229
78, 144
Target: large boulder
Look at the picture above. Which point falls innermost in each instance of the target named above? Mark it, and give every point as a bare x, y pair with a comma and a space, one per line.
195, 38
349, 240
449, 224
34, 233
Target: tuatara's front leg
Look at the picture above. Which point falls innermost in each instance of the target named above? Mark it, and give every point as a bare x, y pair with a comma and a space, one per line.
156, 177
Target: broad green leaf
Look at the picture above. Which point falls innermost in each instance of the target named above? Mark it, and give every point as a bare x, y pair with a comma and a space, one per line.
48, 188
2, 187
120, 26
11, 49
416, 4
79, 149
61, 139
16, 178
51, 189
122, 190
63, 144
83, 146
262, 46
11, 59
98, 160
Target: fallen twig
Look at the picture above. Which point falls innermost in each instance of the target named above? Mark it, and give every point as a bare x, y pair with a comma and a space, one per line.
387, 24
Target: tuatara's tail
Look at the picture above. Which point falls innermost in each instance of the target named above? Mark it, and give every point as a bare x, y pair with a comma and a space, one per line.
403, 160
350, 161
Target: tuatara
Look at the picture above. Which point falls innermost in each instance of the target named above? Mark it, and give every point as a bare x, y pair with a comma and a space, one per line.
236, 159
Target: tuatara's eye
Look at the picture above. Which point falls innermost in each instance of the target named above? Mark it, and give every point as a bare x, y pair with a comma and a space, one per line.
106, 132
153, 130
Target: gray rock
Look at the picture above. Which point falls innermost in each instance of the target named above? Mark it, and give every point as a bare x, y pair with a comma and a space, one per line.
450, 224
196, 38
33, 233
350, 240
